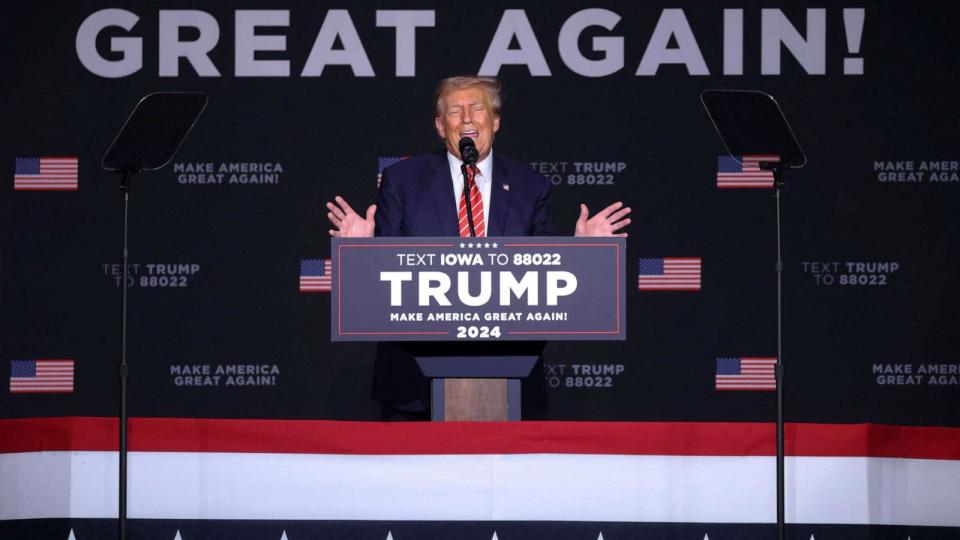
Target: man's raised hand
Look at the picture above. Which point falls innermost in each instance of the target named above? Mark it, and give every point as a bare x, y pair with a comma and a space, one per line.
605, 223
347, 223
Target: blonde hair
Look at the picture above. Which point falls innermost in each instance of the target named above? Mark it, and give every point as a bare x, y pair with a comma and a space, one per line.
489, 85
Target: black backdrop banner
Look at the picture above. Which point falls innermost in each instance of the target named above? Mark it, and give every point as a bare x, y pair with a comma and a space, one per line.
218, 237
310, 100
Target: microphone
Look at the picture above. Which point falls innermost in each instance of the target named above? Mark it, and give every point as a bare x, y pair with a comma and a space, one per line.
468, 151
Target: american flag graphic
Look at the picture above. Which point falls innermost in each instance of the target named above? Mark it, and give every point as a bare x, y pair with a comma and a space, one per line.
744, 173
669, 274
746, 373
383, 163
315, 275
46, 173
41, 376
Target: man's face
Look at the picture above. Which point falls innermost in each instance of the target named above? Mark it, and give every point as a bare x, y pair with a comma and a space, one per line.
467, 113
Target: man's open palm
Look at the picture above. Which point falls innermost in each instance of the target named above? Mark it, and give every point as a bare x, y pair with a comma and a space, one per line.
605, 223
347, 223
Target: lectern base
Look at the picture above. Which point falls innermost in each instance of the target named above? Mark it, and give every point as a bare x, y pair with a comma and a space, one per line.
476, 400
475, 388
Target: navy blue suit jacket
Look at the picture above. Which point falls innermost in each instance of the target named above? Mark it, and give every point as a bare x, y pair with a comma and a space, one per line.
416, 199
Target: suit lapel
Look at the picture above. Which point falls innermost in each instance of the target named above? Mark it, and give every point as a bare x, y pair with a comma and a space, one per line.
499, 198
441, 188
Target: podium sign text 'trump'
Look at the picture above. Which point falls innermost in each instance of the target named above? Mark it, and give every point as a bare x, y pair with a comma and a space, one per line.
478, 289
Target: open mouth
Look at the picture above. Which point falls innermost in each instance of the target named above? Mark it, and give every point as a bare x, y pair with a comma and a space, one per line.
473, 134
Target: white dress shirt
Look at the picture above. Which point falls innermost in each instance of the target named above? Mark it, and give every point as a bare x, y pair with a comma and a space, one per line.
484, 180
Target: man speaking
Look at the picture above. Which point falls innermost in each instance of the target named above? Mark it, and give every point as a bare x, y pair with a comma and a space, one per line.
465, 191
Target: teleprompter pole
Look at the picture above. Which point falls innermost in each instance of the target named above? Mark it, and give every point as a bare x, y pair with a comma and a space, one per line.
778, 370
751, 123
148, 140
125, 184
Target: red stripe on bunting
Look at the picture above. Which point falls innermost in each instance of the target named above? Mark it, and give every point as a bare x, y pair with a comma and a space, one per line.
371, 438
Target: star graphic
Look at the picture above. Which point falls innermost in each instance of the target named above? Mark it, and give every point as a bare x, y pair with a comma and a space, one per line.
462, 245
486, 244
494, 244
470, 245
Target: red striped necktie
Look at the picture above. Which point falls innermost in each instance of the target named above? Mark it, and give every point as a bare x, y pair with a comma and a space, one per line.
476, 207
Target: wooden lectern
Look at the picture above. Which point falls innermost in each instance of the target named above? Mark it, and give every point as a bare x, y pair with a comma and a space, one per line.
475, 388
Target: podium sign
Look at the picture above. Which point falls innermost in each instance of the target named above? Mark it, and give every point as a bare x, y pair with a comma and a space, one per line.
487, 289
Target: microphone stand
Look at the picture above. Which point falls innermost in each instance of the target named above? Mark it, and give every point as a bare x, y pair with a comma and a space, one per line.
466, 198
